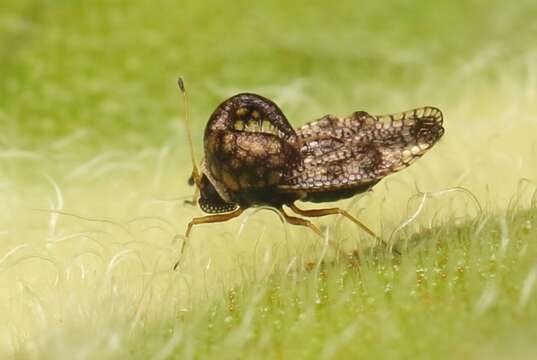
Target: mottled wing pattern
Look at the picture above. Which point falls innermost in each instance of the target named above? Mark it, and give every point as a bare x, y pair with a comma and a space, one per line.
361, 149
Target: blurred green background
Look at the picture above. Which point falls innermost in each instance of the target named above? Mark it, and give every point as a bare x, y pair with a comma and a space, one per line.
109, 67
90, 125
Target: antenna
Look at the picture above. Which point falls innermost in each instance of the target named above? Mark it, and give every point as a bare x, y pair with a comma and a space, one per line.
195, 173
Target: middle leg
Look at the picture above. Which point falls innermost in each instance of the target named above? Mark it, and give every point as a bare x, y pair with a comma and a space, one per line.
336, 211
301, 222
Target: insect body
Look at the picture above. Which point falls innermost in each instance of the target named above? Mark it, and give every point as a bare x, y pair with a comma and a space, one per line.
253, 157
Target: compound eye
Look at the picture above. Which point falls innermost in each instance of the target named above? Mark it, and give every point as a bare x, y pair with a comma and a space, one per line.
209, 200
215, 206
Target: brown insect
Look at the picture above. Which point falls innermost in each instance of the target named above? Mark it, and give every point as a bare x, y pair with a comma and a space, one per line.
253, 157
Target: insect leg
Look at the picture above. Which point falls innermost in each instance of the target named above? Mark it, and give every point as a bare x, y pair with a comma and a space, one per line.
196, 192
206, 220
212, 219
336, 211
302, 222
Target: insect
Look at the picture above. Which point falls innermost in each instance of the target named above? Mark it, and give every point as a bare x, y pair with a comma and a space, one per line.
253, 157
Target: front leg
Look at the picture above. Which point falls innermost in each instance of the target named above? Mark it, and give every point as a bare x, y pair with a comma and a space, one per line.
206, 220
212, 219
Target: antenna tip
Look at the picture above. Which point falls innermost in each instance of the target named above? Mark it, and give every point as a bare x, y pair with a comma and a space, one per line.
181, 84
